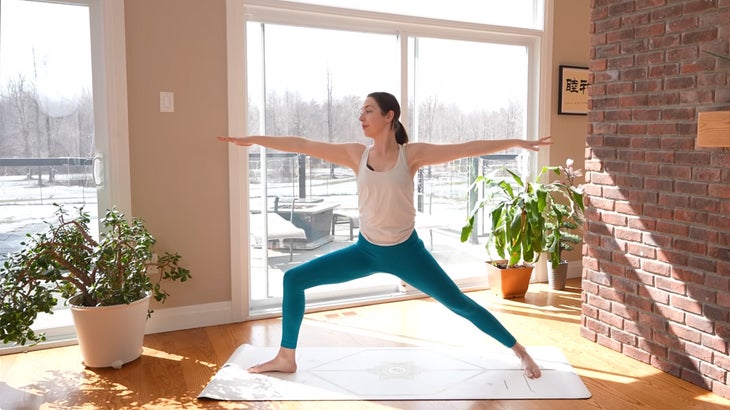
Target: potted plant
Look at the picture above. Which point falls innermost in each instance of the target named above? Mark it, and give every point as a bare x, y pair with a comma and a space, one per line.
108, 277
520, 211
562, 220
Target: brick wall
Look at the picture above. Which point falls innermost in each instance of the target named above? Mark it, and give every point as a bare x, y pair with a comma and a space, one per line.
656, 259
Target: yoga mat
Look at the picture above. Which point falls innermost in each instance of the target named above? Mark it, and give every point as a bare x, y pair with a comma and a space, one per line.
398, 373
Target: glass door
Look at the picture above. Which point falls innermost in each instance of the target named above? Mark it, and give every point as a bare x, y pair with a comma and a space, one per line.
460, 91
308, 70
308, 82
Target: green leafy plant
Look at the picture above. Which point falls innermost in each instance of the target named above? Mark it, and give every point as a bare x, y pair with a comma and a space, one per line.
521, 214
65, 259
564, 217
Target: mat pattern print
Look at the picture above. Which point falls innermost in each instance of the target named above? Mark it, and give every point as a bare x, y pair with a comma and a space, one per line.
399, 373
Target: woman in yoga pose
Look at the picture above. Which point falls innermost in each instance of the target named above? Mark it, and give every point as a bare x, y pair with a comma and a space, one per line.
388, 241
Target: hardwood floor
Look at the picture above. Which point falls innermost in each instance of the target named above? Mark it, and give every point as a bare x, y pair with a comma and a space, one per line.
176, 366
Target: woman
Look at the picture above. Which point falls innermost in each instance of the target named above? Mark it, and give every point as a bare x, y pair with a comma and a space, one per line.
388, 241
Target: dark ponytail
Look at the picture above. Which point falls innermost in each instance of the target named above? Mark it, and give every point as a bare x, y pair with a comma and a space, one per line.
401, 136
388, 102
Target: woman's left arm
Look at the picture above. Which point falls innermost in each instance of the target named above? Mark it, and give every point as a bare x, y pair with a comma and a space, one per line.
422, 153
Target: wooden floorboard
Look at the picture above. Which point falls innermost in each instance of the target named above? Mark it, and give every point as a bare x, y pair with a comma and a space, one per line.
175, 366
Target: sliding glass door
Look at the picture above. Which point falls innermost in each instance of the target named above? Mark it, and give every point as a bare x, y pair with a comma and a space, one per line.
308, 70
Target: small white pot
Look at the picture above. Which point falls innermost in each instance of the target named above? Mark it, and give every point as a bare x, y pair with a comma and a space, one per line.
557, 276
110, 336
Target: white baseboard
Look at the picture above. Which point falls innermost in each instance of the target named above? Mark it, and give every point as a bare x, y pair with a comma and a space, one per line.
188, 317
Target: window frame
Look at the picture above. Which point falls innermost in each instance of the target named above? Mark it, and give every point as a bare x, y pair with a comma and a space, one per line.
537, 42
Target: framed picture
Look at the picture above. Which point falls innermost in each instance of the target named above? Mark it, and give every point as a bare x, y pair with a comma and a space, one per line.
573, 92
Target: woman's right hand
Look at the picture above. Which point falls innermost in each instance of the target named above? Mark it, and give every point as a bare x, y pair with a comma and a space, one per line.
235, 140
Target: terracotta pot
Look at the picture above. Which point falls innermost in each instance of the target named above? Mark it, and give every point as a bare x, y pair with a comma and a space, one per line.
110, 336
509, 282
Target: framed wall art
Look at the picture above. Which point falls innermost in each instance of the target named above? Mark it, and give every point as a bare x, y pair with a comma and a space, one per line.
573, 92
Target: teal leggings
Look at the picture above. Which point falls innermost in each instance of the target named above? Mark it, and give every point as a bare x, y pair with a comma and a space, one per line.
410, 261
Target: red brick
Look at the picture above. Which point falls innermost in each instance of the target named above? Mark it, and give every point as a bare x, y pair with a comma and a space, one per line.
700, 323
677, 143
706, 174
671, 227
611, 319
685, 303
649, 30
705, 204
713, 372
693, 158
632, 129
663, 70
701, 293
655, 322
673, 200
636, 354
689, 246
679, 83
685, 334
690, 215
625, 338
658, 268
721, 389
671, 257
679, 113
613, 219
717, 314
611, 294
658, 184
682, 24
701, 263
642, 250
700, 36
670, 285
606, 341
691, 375
655, 348
627, 208
675, 171
719, 190
596, 326
666, 366
588, 334
687, 275
670, 313
619, 9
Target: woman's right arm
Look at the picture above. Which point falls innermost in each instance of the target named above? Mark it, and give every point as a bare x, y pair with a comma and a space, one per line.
345, 154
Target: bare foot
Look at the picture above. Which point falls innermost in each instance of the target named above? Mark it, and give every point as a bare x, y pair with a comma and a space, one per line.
284, 362
532, 370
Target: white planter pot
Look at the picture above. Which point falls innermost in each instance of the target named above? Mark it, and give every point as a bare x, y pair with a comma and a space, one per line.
110, 336
557, 276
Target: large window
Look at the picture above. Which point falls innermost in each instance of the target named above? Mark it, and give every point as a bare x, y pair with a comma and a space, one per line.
46, 105
308, 70
54, 122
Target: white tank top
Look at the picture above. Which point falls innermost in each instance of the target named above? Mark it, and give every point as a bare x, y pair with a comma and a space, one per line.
385, 201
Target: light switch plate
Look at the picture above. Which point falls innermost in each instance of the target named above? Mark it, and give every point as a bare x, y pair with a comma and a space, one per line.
167, 101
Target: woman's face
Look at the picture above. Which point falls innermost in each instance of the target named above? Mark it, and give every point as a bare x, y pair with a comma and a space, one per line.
372, 119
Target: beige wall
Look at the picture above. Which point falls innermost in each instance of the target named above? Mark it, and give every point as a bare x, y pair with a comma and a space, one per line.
570, 47
179, 173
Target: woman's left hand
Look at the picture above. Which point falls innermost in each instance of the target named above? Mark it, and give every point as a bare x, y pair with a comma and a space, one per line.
535, 145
